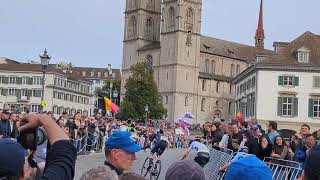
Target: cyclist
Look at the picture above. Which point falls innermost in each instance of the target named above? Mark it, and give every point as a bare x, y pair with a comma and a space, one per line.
160, 146
203, 155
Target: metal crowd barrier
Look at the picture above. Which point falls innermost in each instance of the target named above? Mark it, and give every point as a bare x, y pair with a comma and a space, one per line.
88, 142
284, 169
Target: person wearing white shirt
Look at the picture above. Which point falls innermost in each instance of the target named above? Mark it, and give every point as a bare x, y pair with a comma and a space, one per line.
203, 155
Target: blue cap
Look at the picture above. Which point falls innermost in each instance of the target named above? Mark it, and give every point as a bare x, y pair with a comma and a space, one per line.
12, 157
249, 167
122, 140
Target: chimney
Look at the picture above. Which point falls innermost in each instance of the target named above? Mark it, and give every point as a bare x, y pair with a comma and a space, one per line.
279, 46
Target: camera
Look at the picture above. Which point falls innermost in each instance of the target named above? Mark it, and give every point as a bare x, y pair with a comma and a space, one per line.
31, 138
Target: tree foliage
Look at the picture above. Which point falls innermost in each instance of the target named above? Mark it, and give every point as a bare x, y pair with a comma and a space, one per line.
141, 90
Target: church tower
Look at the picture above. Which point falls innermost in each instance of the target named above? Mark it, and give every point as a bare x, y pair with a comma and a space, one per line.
180, 54
142, 27
259, 38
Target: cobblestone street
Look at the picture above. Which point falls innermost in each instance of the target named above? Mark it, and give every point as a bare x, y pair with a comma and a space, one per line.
84, 163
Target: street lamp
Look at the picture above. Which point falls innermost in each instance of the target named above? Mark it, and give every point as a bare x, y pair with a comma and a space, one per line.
45, 58
146, 109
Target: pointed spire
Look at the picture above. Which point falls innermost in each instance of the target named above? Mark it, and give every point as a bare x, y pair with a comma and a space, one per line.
260, 32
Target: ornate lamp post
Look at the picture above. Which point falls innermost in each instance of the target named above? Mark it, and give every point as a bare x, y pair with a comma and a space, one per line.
45, 58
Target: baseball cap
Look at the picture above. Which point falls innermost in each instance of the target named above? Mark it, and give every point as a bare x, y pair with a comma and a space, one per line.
311, 170
249, 167
186, 170
12, 157
255, 127
122, 140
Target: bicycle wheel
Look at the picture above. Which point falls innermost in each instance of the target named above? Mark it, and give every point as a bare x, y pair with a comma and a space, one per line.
154, 175
144, 169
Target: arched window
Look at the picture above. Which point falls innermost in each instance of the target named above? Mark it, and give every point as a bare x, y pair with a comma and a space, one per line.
149, 29
132, 28
230, 107
186, 101
203, 103
206, 66
217, 103
238, 69
189, 19
232, 70
213, 67
204, 85
171, 19
149, 62
217, 86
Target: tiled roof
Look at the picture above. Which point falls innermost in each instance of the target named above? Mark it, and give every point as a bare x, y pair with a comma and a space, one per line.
288, 54
25, 67
230, 49
154, 45
4, 60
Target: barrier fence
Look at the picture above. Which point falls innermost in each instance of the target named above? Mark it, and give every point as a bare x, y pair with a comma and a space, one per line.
281, 169
88, 142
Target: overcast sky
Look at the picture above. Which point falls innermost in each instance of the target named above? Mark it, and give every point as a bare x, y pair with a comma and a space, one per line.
90, 32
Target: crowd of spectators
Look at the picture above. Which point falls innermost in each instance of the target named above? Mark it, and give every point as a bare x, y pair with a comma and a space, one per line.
67, 135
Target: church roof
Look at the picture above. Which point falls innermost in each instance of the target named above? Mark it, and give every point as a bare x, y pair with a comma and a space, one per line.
288, 55
214, 76
230, 49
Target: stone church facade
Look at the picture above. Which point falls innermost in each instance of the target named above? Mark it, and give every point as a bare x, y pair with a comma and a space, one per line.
192, 71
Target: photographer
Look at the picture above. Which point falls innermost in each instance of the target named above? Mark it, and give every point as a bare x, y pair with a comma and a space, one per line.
60, 160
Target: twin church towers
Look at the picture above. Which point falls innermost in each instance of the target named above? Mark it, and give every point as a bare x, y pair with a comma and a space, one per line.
166, 35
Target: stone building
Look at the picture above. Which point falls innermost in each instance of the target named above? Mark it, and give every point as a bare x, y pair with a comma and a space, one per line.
192, 71
21, 88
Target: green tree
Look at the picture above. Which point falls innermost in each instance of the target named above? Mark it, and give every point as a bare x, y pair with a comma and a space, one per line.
141, 90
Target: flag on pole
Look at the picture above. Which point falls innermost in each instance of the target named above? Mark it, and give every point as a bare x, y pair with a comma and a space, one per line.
188, 115
107, 103
184, 123
114, 107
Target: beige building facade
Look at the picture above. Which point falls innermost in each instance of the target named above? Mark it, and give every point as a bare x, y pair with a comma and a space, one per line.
192, 71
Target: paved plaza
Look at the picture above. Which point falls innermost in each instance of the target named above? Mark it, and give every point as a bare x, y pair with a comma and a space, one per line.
86, 162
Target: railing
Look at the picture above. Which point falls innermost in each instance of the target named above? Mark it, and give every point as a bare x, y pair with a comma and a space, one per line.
283, 169
88, 142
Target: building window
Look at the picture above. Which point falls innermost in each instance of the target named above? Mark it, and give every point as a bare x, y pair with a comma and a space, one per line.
166, 100
203, 85
287, 106
105, 74
213, 66
316, 81
230, 89
316, 108
99, 74
12, 80
83, 73
149, 29
98, 81
238, 69
170, 19
24, 80
203, 101
36, 93
303, 56
217, 87
253, 82
249, 84
132, 29
189, 19
24, 92
38, 81
149, 62
186, 101
92, 73
12, 92
206, 66
230, 107
35, 108
288, 81
232, 71
167, 75
217, 103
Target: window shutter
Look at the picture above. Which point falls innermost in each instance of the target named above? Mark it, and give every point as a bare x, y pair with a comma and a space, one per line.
4, 92
311, 113
5, 80
279, 106
295, 107
18, 94
30, 81
19, 80
280, 80
296, 81
29, 93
